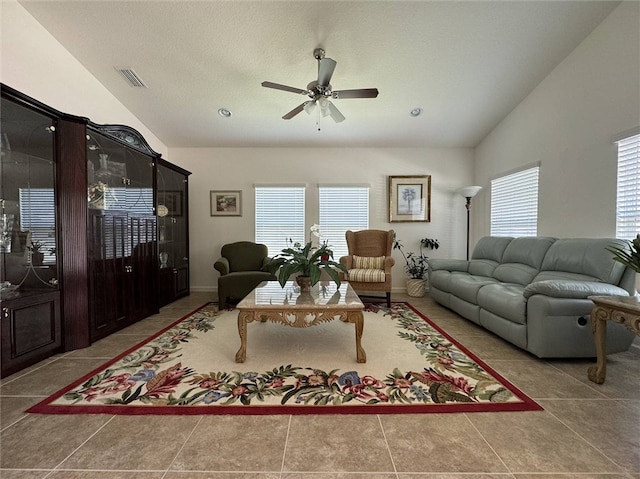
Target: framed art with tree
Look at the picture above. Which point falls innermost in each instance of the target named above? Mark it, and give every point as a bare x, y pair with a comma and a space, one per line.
409, 198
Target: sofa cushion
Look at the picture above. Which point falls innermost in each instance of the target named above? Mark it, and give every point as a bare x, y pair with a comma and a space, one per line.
572, 289
368, 262
505, 300
587, 257
522, 259
487, 255
466, 286
367, 275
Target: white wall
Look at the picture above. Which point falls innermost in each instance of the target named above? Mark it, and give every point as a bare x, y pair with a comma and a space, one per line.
567, 124
33, 62
241, 168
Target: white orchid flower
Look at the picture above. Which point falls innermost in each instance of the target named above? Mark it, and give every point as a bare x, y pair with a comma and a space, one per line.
315, 231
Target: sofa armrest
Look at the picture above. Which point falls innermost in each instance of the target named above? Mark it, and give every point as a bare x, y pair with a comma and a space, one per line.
559, 288
449, 264
222, 265
265, 264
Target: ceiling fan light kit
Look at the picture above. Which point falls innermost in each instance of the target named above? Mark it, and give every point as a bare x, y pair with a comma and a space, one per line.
320, 92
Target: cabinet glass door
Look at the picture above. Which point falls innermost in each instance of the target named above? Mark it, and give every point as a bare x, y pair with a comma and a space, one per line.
172, 220
27, 202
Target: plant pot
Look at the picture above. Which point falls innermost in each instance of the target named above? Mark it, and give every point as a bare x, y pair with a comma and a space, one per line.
37, 259
637, 284
416, 287
304, 282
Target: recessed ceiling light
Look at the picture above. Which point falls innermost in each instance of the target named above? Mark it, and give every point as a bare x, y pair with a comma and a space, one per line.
416, 111
224, 113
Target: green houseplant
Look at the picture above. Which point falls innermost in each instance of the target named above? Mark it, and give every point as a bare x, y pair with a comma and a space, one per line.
37, 255
416, 265
308, 260
628, 253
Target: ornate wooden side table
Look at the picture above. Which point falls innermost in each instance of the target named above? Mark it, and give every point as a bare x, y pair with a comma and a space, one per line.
620, 309
288, 306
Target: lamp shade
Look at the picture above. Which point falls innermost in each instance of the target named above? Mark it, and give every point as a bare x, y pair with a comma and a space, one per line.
469, 191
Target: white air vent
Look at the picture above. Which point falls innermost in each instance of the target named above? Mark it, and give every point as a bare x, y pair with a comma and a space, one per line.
132, 77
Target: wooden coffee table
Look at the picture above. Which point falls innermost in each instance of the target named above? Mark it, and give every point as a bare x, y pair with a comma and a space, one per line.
286, 305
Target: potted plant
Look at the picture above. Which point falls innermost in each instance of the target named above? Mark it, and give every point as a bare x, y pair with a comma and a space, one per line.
628, 253
37, 256
416, 265
309, 261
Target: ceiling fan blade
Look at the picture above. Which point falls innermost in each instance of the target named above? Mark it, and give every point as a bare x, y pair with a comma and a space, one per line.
278, 86
335, 113
294, 112
361, 93
326, 66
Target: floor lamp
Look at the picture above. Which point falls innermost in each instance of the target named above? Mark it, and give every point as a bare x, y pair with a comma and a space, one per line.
468, 192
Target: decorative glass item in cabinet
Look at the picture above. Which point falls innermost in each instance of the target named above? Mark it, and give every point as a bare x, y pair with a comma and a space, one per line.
27, 202
119, 178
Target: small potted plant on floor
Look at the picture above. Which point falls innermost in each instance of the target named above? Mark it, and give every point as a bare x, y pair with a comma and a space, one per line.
417, 265
628, 253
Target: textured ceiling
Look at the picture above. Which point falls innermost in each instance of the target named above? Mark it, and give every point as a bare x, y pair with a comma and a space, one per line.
467, 64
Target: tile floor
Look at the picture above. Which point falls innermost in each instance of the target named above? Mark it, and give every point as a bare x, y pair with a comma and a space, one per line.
586, 431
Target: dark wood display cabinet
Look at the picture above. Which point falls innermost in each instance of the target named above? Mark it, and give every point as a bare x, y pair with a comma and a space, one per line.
173, 231
79, 230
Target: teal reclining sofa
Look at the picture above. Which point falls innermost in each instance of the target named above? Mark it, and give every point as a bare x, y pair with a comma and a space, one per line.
533, 291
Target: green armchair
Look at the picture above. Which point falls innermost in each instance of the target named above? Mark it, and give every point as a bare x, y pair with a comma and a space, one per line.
241, 268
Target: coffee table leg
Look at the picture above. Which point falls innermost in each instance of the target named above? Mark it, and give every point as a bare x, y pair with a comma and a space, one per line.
358, 319
598, 372
241, 355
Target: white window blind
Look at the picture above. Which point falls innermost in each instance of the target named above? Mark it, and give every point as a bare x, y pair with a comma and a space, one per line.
342, 208
514, 204
38, 216
628, 190
279, 216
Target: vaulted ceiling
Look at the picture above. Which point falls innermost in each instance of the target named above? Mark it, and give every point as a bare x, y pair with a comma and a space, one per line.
466, 64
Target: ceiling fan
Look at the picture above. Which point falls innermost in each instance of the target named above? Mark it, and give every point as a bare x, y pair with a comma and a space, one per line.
319, 91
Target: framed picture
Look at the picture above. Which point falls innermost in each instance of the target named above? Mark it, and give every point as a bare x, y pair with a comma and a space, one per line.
172, 201
226, 203
409, 198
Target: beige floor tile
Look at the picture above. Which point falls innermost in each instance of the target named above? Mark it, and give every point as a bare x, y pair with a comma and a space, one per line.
340, 475
438, 443
49, 378
234, 443
109, 347
105, 475
22, 474
572, 476
335, 443
125, 443
150, 326
489, 347
44, 441
541, 380
616, 433
13, 408
221, 475
538, 442
623, 374
457, 476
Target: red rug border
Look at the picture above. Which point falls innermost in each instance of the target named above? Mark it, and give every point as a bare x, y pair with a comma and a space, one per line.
527, 404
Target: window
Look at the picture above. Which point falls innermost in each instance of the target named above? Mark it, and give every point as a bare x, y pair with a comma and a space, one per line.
38, 216
279, 216
628, 190
342, 208
514, 203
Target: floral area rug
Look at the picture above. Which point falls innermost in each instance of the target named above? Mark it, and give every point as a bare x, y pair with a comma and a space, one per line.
189, 368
